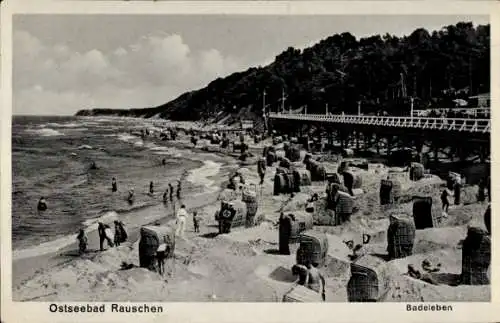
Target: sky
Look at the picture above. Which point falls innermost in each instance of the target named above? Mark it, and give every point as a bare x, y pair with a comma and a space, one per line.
64, 63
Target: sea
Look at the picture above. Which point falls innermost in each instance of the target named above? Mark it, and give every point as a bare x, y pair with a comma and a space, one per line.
51, 157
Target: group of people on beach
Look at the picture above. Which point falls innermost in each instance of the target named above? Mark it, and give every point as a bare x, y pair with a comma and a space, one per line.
168, 194
105, 234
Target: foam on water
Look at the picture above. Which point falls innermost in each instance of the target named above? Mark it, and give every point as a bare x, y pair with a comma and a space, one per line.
107, 217
63, 125
45, 132
126, 137
200, 176
85, 147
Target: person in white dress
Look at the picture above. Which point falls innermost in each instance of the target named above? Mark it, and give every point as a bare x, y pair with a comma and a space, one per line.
181, 221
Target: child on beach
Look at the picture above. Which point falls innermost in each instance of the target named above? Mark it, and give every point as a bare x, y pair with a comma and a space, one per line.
196, 222
82, 242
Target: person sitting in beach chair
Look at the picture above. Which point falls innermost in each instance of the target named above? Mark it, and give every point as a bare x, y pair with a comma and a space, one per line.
302, 272
42, 205
104, 235
82, 242
316, 281
114, 186
164, 251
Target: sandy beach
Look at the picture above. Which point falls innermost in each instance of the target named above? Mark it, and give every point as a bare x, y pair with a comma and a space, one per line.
244, 265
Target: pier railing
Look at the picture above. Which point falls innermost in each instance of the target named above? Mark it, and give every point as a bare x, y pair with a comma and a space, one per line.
444, 124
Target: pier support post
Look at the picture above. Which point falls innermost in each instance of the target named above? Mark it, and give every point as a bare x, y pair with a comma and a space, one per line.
357, 140
436, 155
377, 143
419, 145
482, 153
389, 145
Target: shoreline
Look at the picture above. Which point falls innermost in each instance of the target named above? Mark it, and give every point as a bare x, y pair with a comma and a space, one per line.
25, 268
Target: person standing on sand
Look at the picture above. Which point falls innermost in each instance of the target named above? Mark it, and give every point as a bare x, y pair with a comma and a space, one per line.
261, 169
171, 191
445, 202
82, 242
179, 190
101, 229
181, 221
196, 222
120, 233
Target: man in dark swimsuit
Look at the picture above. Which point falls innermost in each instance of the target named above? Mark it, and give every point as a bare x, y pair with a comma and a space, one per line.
171, 191
114, 186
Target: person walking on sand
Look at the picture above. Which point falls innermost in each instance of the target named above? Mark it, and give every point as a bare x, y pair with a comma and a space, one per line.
179, 190
196, 222
181, 221
151, 188
171, 191
104, 230
444, 201
114, 186
261, 169
82, 242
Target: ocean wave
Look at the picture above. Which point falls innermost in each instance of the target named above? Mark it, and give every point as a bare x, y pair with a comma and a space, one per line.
85, 147
62, 125
107, 217
77, 129
45, 132
200, 176
126, 137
